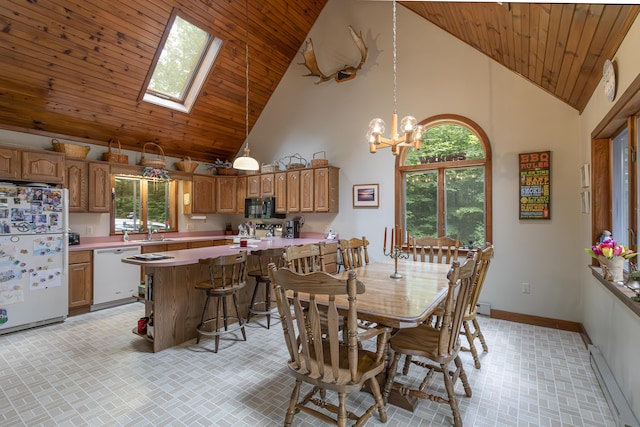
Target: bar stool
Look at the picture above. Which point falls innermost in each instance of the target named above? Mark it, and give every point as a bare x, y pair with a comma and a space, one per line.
227, 276
261, 274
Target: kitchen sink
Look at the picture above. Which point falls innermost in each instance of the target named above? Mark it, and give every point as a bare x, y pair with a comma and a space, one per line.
155, 240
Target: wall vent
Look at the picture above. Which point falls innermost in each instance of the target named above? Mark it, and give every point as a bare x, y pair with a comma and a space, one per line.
619, 406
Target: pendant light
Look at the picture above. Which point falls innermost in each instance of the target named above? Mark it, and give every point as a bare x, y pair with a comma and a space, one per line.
246, 162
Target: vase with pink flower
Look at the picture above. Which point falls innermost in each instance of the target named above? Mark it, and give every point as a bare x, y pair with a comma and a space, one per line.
612, 257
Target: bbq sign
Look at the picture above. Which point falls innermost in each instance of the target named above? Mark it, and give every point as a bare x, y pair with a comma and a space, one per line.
535, 185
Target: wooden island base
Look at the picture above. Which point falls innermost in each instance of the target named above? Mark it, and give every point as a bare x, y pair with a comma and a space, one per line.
175, 302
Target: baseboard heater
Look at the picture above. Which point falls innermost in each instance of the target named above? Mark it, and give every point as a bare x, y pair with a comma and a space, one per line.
618, 404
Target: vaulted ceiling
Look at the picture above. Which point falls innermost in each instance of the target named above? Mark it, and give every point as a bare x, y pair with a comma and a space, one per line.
75, 68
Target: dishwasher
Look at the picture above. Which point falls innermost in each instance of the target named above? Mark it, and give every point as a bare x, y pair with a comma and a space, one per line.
114, 282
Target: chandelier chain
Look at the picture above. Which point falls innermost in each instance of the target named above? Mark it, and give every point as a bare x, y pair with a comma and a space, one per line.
246, 113
394, 60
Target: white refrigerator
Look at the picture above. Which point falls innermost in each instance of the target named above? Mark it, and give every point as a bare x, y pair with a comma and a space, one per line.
34, 247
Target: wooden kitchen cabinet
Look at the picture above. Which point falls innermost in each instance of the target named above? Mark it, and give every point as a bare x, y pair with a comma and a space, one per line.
76, 183
241, 193
267, 185
293, 191
99, 183
280, 192
9, 163
42, 166
253, 186
325, 195
80, 282
226, 194
203, 197
306, 190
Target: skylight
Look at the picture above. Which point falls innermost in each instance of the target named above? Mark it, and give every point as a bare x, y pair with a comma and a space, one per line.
186, 57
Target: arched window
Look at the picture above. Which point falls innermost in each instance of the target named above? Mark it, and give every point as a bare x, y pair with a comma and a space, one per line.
445, 187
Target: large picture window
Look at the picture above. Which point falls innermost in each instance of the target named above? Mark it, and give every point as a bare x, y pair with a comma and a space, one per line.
142, 205
446, 185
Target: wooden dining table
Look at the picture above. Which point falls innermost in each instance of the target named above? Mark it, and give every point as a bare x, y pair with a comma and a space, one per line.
399, 303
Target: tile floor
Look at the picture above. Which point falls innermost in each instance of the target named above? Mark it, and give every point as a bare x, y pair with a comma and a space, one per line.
92, 371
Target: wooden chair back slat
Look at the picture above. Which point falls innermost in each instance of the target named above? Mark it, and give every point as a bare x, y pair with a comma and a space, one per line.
306, 258
227, 270
440, 250
354, 252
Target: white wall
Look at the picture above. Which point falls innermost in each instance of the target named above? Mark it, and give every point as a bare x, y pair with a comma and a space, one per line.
437, 74
610, 324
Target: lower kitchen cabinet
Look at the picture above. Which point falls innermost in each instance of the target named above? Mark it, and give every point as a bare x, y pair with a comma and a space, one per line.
80, 282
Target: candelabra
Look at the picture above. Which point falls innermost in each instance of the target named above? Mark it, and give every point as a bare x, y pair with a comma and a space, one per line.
395, 252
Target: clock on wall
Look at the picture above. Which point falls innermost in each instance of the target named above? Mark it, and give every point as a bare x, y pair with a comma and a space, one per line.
609, 80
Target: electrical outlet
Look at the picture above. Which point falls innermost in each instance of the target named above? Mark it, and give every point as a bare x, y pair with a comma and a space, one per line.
89, 231
526, 288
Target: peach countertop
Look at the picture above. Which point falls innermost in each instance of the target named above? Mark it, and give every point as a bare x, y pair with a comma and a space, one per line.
191, 256
117, 242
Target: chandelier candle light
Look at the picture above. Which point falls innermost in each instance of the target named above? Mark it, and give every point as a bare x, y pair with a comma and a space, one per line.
411, 132
246, 162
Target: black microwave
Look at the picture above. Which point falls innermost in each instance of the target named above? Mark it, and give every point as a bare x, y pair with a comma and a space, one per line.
261, 207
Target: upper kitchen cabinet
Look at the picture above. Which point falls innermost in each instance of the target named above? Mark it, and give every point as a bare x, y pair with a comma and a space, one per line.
325, 194
99, 187
306, 190
293, 191
226, 197
203, 197
253, 186
241, 194
280, 192
42, 166
9, 163
267, 185
76, 182
31, 165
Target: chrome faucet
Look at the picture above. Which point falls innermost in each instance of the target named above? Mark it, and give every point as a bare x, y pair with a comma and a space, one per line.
150, 234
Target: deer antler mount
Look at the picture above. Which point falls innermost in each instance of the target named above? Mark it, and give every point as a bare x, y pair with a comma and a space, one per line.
342, 75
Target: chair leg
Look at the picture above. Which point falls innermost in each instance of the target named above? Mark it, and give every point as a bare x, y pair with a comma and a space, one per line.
267, 304
463, 376
291, 411
253, 300
217, 314
342, 409
407, 364
480, 336
377, 394
391, 373
204, 313
240, 320
453, 403
470, 339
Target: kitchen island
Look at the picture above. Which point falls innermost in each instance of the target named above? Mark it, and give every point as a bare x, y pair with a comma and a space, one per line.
171, 297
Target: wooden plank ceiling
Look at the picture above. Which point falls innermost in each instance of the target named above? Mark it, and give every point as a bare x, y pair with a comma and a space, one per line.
559, 47
75, 68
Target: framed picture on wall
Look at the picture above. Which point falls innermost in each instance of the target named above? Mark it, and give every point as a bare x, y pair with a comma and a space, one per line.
366, 195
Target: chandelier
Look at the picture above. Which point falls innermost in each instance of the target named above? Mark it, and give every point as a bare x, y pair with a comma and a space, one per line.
410, 132
246, 162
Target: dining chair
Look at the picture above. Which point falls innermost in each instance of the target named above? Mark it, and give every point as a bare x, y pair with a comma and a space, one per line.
227, 276
354, 252
439, 346
261, 275
482, 265
442, 250
319, 357
305, 258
